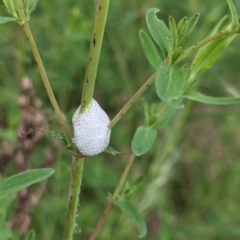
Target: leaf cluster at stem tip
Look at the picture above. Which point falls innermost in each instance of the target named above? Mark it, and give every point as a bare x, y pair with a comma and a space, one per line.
11, 8
163, 49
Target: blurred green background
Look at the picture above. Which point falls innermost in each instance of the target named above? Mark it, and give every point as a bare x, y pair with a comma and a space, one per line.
191, 187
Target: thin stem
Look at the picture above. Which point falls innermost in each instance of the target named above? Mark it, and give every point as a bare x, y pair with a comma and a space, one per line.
207, 40
134, 98
113, 198
201, 43
94, 53
88, 88
123, 177
28, 32
235, 21
159, 169
162, 110
74, 197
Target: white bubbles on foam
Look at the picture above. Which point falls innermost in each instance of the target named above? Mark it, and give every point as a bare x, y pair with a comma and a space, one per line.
91, 132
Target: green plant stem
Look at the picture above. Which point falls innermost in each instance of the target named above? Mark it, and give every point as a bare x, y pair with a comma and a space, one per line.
28, 32
88, 88
226, 32
162, 110
134, 98
74, 197
234, 14
113, 198
159, 170
94, 53
142, 89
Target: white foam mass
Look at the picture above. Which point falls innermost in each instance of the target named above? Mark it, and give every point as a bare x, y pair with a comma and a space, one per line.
91, 132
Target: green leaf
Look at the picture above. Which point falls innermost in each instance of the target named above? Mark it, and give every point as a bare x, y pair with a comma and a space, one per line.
222, 24
32, 5
143, 140
9, 4
7, 19
169, 83
159, 32
58, 135
191, 24
195, 96
112, 151
234, 15
131, 210
177, 53
133, 187
150, 50
30, 236
182, 25
174, 31
146, 110
22, 180
61, 137
166, 116
203, 61
26, 6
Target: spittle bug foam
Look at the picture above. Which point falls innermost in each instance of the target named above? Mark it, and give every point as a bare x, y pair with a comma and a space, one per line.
91, 132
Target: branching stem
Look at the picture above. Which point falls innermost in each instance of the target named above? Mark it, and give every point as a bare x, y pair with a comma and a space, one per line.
88, 88
42, 71
144, 87
224, 33
133, 99
113, 198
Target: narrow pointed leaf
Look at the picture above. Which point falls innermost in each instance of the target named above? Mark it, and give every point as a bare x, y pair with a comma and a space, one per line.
131, 210
22, 180
159, 31
26, 5
30, 236
7, 19
136, 184
146, 110
166, 116
169, 83
207, 57
112, 151
32, 5
143, 140
9, 4
174, 31
177, 54
195, 96
61, 137
182, 32
222, 24
234, 15
133, 187
191, 23
150, 50
181, 24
